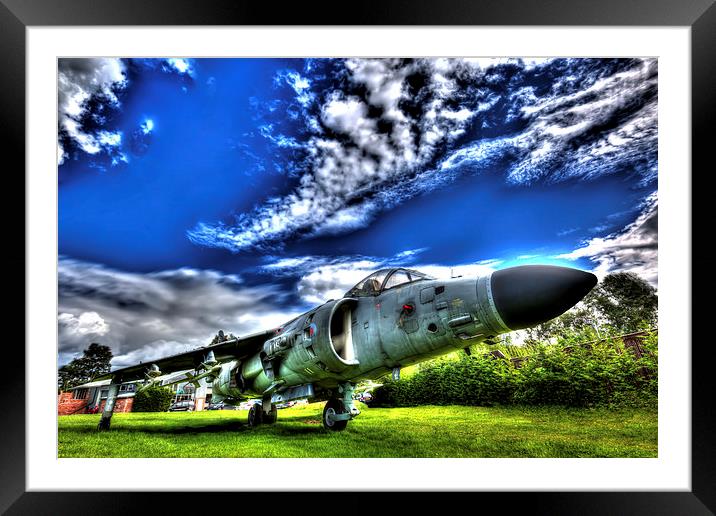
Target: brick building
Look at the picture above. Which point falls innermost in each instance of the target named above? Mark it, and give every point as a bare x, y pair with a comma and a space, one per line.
91, 397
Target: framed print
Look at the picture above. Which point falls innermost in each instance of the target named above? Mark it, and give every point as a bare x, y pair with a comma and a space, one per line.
362, 145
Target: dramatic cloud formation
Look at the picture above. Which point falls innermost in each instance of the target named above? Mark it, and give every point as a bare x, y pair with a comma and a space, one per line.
391, 129
79, 82
591, 132
146, 316
634, 249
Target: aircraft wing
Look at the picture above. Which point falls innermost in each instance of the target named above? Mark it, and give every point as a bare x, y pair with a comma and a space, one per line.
228, 350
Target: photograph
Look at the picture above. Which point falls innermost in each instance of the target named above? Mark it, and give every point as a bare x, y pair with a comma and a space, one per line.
358, 257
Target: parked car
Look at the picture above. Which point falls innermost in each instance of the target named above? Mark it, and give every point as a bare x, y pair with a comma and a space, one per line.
246, 405
219, 405
186, 405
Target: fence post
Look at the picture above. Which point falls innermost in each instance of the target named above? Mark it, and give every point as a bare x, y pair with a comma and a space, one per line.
633, 342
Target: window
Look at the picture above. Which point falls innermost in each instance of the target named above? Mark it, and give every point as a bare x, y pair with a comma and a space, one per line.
127, 387
369, 286
372, 285
397, 278
80, 394
188, 388
416, 275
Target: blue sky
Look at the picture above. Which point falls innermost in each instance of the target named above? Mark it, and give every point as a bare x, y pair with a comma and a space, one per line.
265, 186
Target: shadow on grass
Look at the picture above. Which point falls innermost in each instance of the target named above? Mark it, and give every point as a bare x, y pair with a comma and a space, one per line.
229, 426
288, 427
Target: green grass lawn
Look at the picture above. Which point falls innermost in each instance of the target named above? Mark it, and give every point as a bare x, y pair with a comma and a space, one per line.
432, 431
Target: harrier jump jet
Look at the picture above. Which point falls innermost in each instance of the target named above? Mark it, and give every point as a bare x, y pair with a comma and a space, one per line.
391, 319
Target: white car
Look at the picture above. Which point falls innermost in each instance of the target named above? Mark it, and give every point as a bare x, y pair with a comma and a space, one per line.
246, 405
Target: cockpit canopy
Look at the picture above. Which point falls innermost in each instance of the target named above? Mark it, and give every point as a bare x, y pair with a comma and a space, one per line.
384, 279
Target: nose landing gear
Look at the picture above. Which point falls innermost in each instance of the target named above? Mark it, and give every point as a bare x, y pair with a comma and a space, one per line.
258, 416
335, 415
339, 410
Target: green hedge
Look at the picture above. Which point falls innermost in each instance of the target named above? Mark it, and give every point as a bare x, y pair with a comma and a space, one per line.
602, 374
153, 399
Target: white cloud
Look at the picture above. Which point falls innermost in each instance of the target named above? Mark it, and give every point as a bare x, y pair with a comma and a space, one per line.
527, 63
347, 115
481, 268
147, 126
333, 280
634, 249
300, 85
280, 140
78, 81
61, 155
156, 350
109, 139
88, 323
384, 79
181, 65
284, 264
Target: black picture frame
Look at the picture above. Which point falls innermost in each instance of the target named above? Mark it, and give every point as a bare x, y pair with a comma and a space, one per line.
699, 15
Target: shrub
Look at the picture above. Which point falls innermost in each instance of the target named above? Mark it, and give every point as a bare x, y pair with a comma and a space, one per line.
152, 399
601, 373
473, 380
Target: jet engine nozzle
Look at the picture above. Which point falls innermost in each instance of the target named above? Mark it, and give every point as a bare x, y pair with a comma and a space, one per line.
532, 294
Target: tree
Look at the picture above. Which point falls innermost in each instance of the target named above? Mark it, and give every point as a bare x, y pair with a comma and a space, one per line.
580, 322
625, 301
94, 362
221, 337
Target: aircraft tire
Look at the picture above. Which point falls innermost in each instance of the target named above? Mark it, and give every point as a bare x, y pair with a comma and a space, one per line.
270, 418
255, 415
334, 407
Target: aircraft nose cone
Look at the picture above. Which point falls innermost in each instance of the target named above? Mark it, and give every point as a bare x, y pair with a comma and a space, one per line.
532, 294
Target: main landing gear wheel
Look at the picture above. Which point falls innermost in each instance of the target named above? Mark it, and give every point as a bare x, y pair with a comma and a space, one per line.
332, 408
255, 415
270, 418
